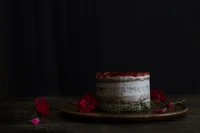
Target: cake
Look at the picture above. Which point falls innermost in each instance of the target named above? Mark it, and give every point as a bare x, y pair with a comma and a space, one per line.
123, 91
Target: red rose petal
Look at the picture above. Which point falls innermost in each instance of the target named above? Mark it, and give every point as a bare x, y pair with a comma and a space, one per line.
42, 106
157, 95
169, 105
36, 101
87, 103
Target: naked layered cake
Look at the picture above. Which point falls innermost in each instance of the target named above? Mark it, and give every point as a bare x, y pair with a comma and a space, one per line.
123, 91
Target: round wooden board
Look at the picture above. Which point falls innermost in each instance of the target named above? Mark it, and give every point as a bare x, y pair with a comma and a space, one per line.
176, 112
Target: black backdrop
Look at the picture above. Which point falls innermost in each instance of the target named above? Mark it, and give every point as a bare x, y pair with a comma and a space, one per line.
55, 47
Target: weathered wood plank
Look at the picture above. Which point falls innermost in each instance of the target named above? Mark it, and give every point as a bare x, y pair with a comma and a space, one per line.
12, 119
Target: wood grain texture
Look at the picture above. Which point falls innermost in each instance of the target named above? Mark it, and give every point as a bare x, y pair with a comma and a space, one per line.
12, 119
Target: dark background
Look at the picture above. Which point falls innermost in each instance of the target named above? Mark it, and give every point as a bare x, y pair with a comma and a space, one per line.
55, 47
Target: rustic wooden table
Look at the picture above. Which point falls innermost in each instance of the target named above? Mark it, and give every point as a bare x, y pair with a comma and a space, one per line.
13, 119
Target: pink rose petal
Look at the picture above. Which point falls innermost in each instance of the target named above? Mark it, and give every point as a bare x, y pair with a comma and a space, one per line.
35, 121
169, 105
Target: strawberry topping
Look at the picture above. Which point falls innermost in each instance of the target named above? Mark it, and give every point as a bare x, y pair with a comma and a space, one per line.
115, 74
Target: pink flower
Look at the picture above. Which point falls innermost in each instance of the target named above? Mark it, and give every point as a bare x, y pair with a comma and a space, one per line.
87, 103
42, 106
169, 105
160, 110
35, 121
157, 95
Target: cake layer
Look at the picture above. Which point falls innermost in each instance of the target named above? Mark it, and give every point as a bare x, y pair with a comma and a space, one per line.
122, 100
117, 89
124, 91
134, 106
123, 74
122, 78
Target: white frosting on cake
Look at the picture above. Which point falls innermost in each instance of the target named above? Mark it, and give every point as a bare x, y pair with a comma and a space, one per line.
126, 88
129, 88
124, 77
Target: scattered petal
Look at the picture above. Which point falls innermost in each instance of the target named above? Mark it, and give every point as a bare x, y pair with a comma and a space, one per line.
42, 106
157, 95
87, 103
169, 105
35, 121
36, 101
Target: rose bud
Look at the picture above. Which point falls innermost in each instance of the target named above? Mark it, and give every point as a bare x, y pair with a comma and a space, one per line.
169, 105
